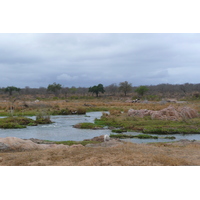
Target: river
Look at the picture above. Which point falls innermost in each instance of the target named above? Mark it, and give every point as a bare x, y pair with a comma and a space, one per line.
62, 130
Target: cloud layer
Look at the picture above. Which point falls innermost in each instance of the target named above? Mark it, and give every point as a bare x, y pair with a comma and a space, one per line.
84, 60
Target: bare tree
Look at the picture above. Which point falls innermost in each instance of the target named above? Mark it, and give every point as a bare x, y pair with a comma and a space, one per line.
125, 87
112, 89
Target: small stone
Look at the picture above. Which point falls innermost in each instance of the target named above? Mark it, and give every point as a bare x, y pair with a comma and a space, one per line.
1, 159
76, 145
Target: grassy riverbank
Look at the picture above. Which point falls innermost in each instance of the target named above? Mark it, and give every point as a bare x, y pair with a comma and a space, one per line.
147, 125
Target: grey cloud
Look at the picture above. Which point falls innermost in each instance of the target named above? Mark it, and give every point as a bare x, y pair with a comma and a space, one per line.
86, 59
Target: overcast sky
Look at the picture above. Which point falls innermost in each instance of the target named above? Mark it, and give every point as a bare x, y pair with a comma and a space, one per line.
84, 60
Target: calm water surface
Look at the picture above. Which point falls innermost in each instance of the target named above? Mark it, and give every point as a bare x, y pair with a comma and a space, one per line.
63, 129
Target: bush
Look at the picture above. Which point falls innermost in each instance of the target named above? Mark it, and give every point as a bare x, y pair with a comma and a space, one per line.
81, 111
43, 118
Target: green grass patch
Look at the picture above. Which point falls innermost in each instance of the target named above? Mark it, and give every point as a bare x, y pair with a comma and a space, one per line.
119, 130
15, 122
140, 136
88, 126
20, 122
148, 126
172, 130
76, 142
95, 109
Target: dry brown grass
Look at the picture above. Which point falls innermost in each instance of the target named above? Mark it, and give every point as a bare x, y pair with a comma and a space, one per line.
104, 103
129, 154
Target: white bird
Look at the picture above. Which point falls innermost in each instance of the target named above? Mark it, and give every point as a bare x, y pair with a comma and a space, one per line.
106, 138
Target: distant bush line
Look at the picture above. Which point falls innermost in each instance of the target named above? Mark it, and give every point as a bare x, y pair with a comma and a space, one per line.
153, 92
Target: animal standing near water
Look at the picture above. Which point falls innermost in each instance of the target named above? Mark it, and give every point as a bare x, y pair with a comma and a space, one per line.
106, 138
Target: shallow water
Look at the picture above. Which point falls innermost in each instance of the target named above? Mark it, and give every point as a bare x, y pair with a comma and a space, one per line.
63, 130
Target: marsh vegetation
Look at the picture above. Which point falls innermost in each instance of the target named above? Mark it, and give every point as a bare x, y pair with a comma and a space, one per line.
23, 122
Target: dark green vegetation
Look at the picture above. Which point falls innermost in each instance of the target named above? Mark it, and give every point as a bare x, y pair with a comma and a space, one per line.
10, 89
147, 125
96, 89
55, 88
22, 122
141, 90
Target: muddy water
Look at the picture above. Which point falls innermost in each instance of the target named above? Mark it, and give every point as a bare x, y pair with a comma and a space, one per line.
63, 129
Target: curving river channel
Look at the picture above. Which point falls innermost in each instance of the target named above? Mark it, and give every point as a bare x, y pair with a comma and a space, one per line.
63, 130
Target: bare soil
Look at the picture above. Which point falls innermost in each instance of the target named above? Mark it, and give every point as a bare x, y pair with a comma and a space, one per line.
112, 153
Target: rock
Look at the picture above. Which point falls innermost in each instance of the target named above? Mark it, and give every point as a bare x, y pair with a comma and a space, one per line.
3, 146
1, 159
17, 144
98, 138
171, 100
38, 141
169, 113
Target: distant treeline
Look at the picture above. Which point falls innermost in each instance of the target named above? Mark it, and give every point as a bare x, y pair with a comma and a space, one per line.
154, 91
